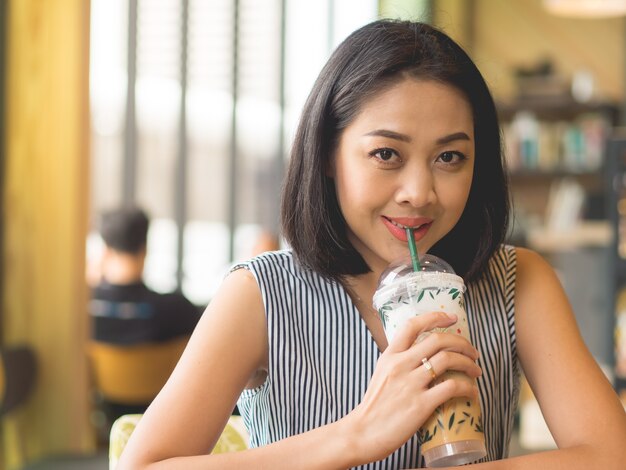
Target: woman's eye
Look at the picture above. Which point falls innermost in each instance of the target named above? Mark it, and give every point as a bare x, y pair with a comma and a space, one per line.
451, 157
384, 154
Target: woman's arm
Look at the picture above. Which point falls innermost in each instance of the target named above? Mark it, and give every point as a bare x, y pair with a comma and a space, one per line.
228, 351
579, 405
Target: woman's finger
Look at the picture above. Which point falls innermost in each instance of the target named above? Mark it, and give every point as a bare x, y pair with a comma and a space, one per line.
454, 387
438, 341
417, 325
432, 368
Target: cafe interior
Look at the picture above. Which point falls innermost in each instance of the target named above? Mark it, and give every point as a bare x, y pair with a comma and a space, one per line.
187, 108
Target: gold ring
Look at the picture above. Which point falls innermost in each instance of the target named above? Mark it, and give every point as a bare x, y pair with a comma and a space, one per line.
429, 368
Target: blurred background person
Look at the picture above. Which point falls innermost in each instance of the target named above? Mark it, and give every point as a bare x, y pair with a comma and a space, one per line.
136, 332
124, 310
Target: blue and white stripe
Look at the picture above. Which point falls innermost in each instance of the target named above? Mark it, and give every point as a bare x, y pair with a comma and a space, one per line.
322, 356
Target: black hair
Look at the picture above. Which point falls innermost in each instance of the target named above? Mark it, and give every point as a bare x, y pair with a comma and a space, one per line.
370, 60
125, 229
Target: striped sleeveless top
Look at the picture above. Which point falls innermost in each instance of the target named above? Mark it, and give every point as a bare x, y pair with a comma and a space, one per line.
322, 356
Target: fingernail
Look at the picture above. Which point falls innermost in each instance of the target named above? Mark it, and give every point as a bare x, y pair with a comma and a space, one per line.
452, 316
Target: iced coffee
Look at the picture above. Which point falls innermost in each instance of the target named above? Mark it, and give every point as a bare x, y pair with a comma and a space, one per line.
453, 435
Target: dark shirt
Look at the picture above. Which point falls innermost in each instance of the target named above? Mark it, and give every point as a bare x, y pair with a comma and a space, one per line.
130, 314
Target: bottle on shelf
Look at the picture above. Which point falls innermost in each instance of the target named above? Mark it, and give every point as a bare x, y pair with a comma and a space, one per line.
539, 145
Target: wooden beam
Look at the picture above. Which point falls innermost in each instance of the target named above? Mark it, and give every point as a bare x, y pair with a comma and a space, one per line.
45, 205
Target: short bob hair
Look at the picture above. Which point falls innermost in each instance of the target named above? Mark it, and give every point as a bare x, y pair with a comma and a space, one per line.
370, 60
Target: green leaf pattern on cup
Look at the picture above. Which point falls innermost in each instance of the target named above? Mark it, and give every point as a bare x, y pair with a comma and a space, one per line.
432, 293
382, 311
429, 294
454, 423
451, 420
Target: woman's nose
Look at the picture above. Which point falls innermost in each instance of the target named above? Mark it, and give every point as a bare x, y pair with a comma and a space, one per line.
416, 188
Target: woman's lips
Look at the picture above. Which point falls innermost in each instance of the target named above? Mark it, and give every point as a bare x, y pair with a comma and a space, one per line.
422, 225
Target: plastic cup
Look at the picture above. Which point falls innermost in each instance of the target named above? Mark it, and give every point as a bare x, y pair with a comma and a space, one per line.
453, 435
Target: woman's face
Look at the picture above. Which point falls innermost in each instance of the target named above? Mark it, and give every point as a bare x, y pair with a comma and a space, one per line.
406, 160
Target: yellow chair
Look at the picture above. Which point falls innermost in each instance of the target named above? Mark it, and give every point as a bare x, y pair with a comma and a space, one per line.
18, 377
234, 437
133, 375
18, 371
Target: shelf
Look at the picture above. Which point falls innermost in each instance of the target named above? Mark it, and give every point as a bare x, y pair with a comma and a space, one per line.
586, 234
560, 156
557, 108
555, 173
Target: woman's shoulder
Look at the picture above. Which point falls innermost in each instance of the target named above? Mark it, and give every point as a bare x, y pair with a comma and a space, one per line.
531, 264
267, 260
519, 265
517, 260
282, 268
524, 258
276, 266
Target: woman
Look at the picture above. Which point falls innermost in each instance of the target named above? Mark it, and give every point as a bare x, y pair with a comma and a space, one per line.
400, 131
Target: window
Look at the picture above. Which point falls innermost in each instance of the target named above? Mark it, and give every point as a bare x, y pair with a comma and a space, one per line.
193, 104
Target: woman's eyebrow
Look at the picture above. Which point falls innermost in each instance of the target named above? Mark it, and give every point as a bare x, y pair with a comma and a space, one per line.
390, 134
405, 138
452, 137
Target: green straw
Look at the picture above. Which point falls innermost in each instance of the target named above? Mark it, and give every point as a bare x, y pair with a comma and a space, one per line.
415, 259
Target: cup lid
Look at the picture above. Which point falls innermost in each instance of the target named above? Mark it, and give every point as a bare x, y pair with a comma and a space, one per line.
403, 267
396, 278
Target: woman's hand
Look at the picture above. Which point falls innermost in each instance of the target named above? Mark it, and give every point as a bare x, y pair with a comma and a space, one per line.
399, 398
